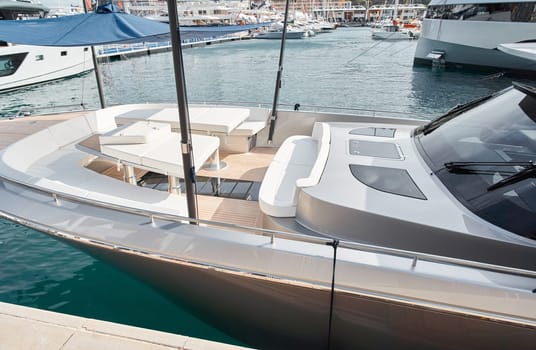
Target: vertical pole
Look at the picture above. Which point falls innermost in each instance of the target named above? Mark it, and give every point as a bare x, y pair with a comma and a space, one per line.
184, 118
96, 69
273, 117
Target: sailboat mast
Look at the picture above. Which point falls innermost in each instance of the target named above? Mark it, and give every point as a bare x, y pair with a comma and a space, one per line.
273, 118
184, 118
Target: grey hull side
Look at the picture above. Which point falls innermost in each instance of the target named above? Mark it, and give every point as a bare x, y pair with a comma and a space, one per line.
262, 310
354, 225
267, 313
468, 57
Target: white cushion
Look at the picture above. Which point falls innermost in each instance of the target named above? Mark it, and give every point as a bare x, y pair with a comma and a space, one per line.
138, 132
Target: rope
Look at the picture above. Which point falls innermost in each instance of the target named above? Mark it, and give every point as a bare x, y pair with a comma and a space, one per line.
334, 244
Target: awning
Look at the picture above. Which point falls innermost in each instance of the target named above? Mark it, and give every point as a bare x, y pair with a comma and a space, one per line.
105, 26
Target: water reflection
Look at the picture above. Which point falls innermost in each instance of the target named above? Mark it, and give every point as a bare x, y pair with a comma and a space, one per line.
41, 272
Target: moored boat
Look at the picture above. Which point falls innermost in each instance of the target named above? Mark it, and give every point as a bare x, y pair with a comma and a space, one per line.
467, 34
24, 65
351, 231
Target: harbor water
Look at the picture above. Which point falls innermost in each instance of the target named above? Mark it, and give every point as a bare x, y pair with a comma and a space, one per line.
342, 71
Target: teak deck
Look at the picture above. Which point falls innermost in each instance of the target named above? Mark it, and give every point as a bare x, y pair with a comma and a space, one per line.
244, 166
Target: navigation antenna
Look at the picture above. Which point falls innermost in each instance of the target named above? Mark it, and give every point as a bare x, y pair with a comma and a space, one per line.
273, 117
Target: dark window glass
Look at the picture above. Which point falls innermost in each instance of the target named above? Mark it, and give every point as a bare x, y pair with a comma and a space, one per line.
390, 180
490, 143
10, 63
495, 12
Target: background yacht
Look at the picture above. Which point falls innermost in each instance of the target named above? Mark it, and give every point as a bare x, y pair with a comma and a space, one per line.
467, 33
23, 65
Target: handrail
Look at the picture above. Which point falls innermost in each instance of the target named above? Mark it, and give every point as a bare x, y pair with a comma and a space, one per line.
373, 112
257, 104
416, 256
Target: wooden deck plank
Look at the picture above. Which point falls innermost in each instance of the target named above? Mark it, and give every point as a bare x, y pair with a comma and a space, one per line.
249, 166
229, 210
12, 130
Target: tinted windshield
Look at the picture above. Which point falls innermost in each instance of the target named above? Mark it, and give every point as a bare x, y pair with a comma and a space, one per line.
501, 131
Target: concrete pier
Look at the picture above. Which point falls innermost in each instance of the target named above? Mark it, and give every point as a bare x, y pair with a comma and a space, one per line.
25, 328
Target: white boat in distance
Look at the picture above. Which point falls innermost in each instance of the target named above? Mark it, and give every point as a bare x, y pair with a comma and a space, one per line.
393, 31
23, 65
275, 31
315, 230
277, 34
468, 34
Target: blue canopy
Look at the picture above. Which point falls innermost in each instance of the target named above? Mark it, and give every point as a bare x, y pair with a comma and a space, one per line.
105, 26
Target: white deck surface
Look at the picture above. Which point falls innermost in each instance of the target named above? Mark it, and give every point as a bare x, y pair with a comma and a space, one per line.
163, 154
210, 120
24, 328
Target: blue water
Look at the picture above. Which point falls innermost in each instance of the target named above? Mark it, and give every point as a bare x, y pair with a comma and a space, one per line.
343, 69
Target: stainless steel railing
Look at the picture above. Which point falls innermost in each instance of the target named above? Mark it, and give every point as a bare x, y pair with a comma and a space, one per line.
152, 215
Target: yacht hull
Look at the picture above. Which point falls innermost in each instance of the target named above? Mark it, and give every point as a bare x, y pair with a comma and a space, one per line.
473, 44
280, 314
266, 310
24, 65
472, 58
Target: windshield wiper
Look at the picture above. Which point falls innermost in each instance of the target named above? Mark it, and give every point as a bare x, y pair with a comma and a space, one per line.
526, 173
465, 167
452, 113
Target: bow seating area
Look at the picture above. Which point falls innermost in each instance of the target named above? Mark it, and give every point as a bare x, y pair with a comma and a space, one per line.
298, 163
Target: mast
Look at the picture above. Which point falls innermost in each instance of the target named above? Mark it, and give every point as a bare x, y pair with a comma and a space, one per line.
273, 118
184, 118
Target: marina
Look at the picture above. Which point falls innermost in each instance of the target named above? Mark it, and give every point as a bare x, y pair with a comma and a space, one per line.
118, 138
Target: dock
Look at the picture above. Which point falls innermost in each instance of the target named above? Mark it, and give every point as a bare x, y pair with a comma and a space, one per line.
26, 328
115, 52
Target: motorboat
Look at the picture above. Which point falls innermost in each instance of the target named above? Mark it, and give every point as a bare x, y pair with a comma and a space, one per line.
275, 31
277, 34
468, 34
394, 221
23, 65
307, 229
392, 30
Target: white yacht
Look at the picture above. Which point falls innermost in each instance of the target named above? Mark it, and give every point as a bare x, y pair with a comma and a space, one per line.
23, 65
394, 31
296, 229
467, 34
343, 230
275, 31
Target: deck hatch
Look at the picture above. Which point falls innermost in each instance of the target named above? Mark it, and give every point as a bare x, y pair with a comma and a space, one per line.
374, 149
372, 131
390, 180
